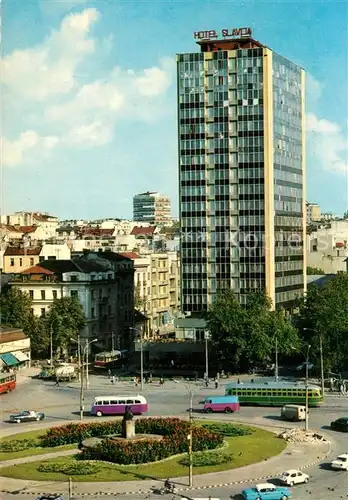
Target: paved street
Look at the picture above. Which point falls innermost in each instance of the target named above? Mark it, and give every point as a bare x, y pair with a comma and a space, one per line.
62, 404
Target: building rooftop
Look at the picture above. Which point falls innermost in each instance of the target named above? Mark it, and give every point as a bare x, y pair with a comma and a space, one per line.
143, 231
10, 334
130, 255
22, 251
37, 270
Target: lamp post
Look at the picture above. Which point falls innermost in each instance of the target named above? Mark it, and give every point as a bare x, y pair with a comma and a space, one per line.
206, 338
190, 435
141, 356
306, 384
276, 368
321, 358
83, 346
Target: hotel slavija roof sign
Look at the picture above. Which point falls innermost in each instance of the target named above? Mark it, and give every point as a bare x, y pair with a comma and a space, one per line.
225, 33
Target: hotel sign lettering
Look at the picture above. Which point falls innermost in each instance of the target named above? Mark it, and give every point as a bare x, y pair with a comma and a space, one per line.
225, 33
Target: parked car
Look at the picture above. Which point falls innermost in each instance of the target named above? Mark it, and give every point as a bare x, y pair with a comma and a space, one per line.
302, 366
291, 477
27, 416
266, 491
341, 462
341, 424
295, 413
51, 496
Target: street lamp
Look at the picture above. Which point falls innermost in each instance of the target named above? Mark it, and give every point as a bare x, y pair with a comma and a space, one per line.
83, 346
276, 369
190, 436
321, 358
141, 356
206, 338
307, 362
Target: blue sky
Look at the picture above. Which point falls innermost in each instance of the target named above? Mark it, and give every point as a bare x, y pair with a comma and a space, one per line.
89, 98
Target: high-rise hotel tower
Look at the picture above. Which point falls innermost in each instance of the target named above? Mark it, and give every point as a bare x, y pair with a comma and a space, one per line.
241, 171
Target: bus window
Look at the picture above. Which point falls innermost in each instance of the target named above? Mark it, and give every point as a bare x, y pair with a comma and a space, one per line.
104, 403
137, 402
114, 402
130, 402
123, 402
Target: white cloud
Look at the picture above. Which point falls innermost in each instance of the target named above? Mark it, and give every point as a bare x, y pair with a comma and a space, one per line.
327, 142
314, 90
17, 151
50, 69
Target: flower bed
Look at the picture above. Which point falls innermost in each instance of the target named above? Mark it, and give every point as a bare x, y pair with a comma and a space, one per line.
173, 430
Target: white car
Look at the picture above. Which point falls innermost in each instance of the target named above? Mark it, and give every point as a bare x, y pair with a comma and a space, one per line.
293, 476
341, 462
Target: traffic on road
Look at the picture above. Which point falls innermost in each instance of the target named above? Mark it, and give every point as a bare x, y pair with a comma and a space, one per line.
59, 404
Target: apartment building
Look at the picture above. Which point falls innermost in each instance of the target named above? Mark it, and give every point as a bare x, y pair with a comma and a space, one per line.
18, 258
157, 289
241, 113
328, 247
103, 285
313, 212
152, 207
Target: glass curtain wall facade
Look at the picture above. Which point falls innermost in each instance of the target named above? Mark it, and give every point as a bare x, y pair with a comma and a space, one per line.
238, 192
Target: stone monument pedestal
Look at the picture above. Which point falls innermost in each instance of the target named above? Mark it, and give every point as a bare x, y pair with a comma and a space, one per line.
129, 429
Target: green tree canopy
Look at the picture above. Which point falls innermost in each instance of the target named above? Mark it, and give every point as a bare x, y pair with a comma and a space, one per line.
324, 312
245, 335
16, 312
315, 271
66, 319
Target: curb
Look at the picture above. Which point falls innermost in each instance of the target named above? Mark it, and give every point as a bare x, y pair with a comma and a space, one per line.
139, 492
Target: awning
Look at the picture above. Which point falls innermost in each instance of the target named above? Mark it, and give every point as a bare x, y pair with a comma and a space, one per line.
21, 356
9, 359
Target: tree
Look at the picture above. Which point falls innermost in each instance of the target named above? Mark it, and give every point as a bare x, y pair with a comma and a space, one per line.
245, 335
323, 312
66, 319
315, 271
16, 312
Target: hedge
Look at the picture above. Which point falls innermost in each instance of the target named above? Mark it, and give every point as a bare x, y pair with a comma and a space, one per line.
227, 429
71, 469
175, 433
204, 458
19, 445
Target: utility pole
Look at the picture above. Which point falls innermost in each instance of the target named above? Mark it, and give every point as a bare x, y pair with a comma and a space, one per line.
81, 391
190, 442
322, 364
51, 344
307, 361
206, 356
276, 358
86, 352
112, 341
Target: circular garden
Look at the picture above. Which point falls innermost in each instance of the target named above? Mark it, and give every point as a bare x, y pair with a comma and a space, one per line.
161, 452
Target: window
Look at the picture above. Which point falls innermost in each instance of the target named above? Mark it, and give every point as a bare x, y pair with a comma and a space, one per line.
43, 312
12, 262
122, 402
74, 278
43, 294
31, 261
114, 402
31, 294
130, 401
20, 261
74, 293
54, 294
106, 403
92, 312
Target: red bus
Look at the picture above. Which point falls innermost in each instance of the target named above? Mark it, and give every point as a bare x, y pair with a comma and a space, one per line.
7, 382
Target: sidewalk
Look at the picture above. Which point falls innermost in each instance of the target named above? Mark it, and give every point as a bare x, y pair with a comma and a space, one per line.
26, 374
298, 456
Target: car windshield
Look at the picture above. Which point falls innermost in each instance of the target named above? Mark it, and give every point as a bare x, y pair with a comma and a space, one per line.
285, 474
342, 459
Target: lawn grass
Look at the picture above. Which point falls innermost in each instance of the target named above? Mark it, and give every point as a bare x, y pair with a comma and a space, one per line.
11, 455
255, 447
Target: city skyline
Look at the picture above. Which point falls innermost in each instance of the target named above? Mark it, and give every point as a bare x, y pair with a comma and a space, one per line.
99, 123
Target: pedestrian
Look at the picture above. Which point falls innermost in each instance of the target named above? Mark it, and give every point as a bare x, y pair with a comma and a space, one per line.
218, 376
331, 384
216, 383
342, 389
109, 373
57, 381
161, 381
150, 378
238, 381
113, 380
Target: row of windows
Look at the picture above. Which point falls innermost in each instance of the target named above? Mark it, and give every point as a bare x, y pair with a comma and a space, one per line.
283, 175
288, 206
20, 261
287, 296
289, 280
280, 190
290, 265
117, 402
272, 392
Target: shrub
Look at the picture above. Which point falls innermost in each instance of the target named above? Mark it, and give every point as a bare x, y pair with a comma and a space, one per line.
19, 444
230, 430
71, 469
202, 459
175, 432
